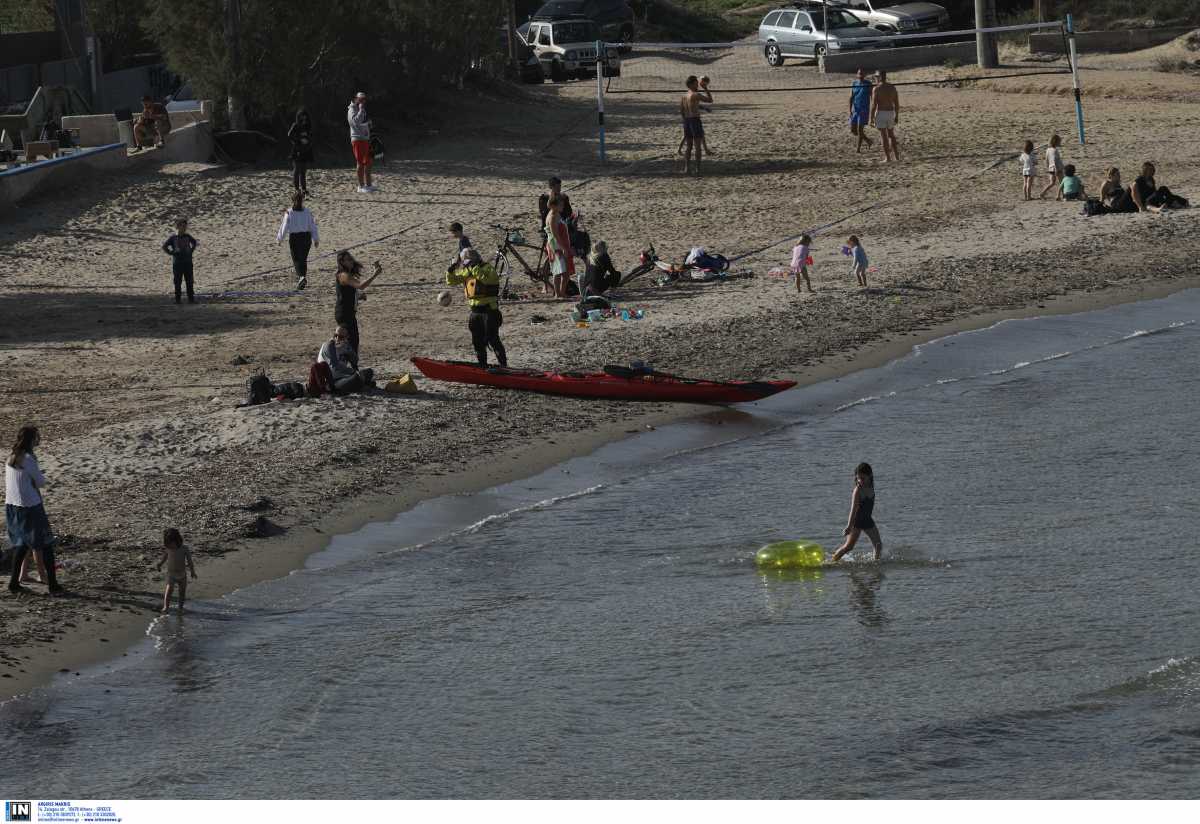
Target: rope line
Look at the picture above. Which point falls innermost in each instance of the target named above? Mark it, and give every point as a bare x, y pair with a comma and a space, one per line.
324, 255
846, 88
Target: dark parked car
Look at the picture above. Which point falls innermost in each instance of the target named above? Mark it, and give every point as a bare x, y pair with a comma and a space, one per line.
614, 17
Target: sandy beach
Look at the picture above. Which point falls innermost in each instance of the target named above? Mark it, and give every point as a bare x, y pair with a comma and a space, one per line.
137, 398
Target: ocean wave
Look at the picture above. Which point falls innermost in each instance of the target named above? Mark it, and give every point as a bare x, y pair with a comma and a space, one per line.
1177, 675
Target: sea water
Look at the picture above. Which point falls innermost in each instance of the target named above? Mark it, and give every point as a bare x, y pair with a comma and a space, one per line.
601, 630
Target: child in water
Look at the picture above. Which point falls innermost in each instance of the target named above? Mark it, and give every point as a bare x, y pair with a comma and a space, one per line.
178, 559
862, 504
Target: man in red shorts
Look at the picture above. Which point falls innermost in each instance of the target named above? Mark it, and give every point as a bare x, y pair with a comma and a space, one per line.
360, 141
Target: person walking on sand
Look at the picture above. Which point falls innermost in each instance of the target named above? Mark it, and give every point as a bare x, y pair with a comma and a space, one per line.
885, 115
301, 137
1054, 166
862, 507
693, 127
360, 141
859, 262
800, 261
25, 511
300, 228
860, 108
481, 287
1028, 168
348, 284
180, 246
178, 559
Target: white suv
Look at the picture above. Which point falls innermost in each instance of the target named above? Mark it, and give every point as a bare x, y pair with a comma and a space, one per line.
567, 49
904, 18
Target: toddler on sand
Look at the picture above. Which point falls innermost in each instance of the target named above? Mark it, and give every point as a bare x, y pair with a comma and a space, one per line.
859, 262
178, 559
1029, 168
1054, 166
800, 258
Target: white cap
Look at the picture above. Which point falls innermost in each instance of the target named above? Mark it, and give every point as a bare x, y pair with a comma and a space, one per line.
361, 94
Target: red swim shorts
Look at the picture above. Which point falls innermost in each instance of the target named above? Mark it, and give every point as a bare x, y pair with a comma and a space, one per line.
362, 152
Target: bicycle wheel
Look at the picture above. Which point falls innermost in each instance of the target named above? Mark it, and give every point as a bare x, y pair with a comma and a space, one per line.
500, 264
636, 272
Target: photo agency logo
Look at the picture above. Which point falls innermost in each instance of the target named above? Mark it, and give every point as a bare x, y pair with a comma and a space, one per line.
18, 811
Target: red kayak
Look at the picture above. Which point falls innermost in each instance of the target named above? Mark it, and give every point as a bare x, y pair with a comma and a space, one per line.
614, 383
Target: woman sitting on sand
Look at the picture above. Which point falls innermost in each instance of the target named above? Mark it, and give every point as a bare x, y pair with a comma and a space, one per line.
1114, 195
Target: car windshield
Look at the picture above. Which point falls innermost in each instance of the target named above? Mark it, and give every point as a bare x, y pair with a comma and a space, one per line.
839, 19
561, 7
583, 32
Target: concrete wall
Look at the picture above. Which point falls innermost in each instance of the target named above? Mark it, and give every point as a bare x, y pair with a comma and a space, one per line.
94, 129
23, 182
186, 116
1122, 40
890, 59
193, 143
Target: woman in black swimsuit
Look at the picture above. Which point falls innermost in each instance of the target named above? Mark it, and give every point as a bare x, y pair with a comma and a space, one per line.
862, 505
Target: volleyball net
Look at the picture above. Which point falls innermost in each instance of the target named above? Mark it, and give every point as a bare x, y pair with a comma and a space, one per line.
789, 60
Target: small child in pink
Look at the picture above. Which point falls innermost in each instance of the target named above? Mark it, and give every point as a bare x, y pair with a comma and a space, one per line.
800, 261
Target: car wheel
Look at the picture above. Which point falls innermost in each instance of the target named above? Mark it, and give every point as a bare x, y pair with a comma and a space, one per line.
774, 55
558, 72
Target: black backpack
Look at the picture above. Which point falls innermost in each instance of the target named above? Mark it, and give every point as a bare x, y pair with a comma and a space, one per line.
259, 390
1094, 206
292, 390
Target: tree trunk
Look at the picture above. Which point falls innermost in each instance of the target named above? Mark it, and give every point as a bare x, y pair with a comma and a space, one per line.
233, 44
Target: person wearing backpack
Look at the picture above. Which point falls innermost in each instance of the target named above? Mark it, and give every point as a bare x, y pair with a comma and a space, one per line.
481, 285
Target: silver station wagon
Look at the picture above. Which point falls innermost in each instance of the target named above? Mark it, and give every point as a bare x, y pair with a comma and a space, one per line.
800, 33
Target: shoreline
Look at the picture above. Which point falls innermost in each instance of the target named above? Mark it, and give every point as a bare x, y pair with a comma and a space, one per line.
100, 644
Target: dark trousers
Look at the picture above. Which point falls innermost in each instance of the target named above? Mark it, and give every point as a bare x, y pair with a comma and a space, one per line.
300, 175
300, 243
19, 553
182, 270
351, 325
485, 331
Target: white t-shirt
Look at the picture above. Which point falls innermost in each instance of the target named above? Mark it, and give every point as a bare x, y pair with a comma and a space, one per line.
295, 222
21, 482
1054, 160
1029, 164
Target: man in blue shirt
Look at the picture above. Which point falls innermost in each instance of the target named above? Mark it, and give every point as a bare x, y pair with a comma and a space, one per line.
860, 109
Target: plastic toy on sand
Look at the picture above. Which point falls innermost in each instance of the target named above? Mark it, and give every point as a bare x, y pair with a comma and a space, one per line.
790, 555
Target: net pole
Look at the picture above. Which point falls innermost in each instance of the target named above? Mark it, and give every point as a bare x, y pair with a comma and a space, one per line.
1074, 54
601, 62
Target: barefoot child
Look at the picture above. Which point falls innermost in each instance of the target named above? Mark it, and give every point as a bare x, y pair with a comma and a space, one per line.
1029, 168
862, 505
800, 260
464, 242
1054, 165
180, 247
178, 559
859, 262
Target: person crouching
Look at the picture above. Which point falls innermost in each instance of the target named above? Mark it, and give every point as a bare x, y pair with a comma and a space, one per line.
481, 285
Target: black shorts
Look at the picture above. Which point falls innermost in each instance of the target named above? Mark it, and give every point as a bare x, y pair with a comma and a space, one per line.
693, 127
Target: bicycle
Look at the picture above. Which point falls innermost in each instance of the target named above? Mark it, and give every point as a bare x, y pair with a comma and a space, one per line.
513, 241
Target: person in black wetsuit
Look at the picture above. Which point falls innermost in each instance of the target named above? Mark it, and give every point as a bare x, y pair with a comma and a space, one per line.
347, 284
862, 506
180, 246
301, 137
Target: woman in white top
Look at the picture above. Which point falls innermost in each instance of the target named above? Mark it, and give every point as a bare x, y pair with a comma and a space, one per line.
300, 228
28, 526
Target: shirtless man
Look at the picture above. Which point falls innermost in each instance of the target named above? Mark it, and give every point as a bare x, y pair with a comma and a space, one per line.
693, 129
885, 115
